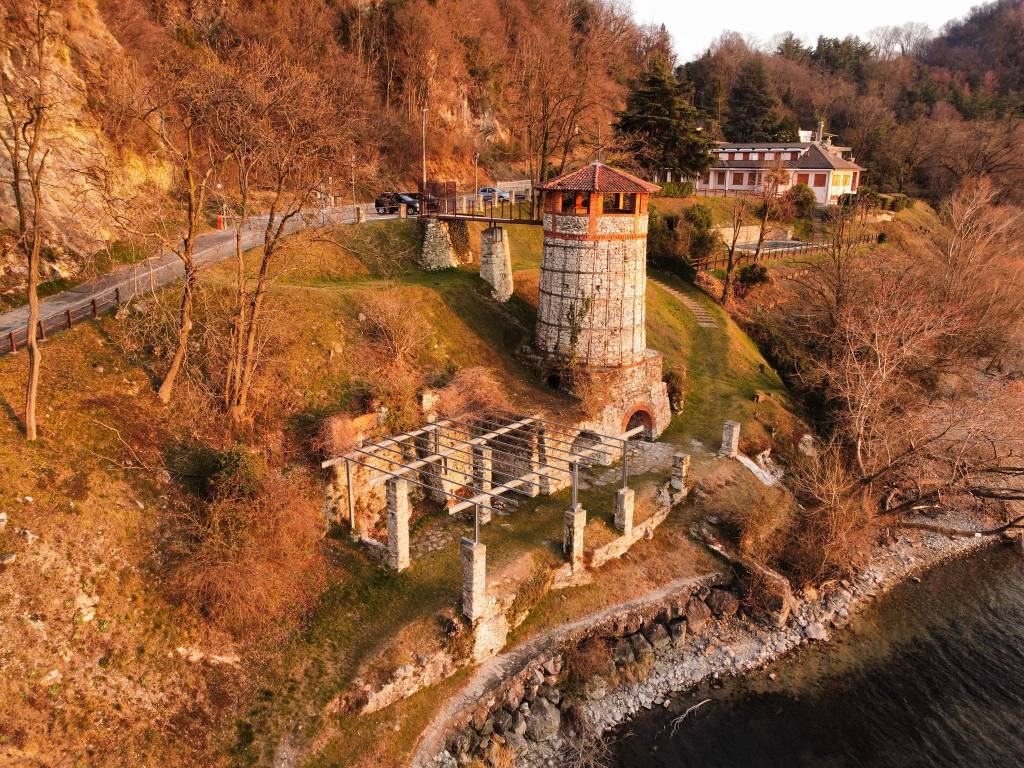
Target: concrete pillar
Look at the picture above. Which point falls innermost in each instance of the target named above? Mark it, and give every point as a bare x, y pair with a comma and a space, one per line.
398, 523
474, 578
680, 469
625, 502
496, 263
730, 440
403, 211
360, 214
572, 537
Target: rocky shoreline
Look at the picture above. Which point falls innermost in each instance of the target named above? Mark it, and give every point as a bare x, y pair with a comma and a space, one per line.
687, 642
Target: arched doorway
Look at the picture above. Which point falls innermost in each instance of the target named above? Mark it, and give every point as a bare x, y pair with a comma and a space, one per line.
641, 417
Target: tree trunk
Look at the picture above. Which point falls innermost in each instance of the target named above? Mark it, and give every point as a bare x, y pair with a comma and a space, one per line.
730, 265
32, 330
184, 328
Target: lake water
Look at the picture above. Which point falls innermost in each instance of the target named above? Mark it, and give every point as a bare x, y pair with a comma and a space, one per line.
930, 675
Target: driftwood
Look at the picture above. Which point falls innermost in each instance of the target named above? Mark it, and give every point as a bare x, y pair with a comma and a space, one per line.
679, 720
948, 530
783, 590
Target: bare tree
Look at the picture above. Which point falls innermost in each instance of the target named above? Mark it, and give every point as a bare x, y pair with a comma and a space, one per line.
27, 98
176, 106
773, 206
738, 216
300, 138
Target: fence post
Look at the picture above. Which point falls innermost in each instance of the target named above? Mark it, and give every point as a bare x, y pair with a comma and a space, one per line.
14, 345
42, 330
95, 313
117, 295
67, 314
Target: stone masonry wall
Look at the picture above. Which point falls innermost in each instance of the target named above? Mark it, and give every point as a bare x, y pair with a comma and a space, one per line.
496, 262
591, 304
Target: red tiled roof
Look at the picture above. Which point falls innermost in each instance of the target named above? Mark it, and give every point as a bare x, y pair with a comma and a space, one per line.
598, 177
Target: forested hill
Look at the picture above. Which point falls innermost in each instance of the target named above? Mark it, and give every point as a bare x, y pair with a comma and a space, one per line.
922, 111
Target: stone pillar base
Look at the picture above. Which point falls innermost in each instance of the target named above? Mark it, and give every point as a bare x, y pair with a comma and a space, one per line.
730, 440
496, 262
398, 523
572, 539
474, 578
625, 501
680, 470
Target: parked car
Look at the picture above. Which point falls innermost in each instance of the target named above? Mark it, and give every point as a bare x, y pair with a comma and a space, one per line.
388, 202
493, 194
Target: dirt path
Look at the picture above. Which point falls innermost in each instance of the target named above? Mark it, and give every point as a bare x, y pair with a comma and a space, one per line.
509, 663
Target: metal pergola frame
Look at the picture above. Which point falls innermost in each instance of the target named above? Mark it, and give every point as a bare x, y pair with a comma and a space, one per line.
495, 437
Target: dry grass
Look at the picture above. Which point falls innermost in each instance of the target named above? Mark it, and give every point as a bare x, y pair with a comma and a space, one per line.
473, 393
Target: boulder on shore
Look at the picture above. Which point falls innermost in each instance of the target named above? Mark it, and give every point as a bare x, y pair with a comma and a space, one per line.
697, 614
543, 722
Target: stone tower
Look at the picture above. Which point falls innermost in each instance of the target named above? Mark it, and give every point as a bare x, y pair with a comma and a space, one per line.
591, 312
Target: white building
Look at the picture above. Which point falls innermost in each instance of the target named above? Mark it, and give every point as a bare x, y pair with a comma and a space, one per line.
739, 167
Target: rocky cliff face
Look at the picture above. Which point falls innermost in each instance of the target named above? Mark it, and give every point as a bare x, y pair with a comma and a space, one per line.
82, 162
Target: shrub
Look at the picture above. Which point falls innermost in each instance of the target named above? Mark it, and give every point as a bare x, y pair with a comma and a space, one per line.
248, 562
709, 284
593, 656
675, 380
677, 189
472, 392
241, 473
667, 245
801, 200
748, 277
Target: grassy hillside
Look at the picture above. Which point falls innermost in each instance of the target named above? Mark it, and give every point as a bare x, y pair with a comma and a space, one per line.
97, 635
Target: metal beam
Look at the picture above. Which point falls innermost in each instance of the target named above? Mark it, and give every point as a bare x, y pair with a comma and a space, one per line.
522, 446
570, 443
417, 482
403, 465
523, 442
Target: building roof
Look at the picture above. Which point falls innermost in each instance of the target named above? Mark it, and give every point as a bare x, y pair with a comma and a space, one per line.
598, 177
814, 158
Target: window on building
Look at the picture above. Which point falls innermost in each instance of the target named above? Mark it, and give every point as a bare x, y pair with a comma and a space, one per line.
575, 202
737, 179
819, 179
618, 203
752, 179
720, 178
803, 178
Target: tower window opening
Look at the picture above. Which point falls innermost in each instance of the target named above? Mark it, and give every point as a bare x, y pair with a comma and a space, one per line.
619, 203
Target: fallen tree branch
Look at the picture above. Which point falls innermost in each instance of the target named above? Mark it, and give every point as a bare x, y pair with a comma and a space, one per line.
1017, 522
679, 720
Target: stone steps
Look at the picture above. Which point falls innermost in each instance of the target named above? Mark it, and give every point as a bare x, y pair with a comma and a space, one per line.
700, 312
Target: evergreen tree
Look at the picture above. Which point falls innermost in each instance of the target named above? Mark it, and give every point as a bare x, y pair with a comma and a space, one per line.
660, 125
752, 106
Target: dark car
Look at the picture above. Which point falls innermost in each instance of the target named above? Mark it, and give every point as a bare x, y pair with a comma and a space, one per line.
388, 202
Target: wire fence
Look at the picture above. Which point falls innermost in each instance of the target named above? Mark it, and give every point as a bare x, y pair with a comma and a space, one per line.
63, 320
772, 253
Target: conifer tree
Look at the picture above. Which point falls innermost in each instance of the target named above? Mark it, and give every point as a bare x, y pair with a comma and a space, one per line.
752, 106
660, 126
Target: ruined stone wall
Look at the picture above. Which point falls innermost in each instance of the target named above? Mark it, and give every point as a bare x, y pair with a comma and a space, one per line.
592, 291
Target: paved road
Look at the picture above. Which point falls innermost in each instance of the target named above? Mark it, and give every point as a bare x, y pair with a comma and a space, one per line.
135, 279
